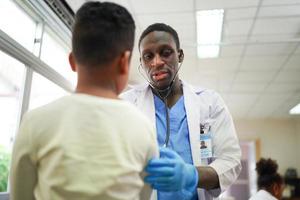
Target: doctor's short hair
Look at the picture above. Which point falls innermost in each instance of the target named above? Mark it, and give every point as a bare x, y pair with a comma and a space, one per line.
160, 27
101, 32
267, 173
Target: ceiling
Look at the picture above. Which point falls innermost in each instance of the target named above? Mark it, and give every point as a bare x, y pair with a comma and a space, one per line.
258, 70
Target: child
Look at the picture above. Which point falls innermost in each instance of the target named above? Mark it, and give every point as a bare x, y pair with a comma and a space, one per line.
89, 145
270, 183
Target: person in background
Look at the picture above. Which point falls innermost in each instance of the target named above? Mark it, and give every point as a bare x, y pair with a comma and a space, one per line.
184, 116
83, 146
270, 183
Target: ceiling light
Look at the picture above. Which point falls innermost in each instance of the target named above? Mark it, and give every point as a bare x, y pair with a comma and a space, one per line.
209, 30
295, 110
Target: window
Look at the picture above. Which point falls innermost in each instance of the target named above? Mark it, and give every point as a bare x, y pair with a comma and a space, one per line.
56, 55
25, 29
43, 91
11, 80
20, 27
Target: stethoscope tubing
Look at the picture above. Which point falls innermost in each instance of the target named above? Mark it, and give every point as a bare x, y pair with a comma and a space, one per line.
158, 91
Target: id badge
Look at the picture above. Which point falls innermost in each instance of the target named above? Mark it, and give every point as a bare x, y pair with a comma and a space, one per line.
205, 141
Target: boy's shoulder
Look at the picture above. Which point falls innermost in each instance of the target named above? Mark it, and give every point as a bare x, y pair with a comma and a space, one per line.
44, 112
49, 106
133, 110
134, 91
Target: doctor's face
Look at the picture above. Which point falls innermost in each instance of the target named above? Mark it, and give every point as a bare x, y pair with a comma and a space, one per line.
159, 57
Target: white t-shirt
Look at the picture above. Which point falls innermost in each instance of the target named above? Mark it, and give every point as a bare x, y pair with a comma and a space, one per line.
82, 147
263, 195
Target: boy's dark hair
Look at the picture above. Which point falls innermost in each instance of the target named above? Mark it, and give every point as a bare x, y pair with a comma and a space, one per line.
267, 173
160, 27
101, 32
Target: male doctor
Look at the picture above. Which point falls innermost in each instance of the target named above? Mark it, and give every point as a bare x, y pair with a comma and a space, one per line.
184, 116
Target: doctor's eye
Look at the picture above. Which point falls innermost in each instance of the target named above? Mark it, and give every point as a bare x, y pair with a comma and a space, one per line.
166, 52
147, 57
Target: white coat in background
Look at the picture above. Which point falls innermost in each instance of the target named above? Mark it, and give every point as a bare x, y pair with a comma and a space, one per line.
202, 106
263, 195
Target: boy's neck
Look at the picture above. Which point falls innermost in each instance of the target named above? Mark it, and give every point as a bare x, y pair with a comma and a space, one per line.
97, 82
97, 91
107, 91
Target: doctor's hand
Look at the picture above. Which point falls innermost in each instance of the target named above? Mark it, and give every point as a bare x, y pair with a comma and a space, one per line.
171, 173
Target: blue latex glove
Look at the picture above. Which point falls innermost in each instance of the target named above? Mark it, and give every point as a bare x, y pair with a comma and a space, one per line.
171, 173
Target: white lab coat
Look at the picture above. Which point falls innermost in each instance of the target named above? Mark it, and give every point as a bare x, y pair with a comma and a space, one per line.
263, 195
202, 106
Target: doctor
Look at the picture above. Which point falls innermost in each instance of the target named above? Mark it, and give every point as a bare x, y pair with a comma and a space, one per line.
184, 116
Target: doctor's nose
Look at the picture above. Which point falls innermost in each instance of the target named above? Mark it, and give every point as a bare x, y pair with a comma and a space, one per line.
157, 61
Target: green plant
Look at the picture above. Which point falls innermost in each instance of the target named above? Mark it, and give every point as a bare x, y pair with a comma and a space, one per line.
4, 168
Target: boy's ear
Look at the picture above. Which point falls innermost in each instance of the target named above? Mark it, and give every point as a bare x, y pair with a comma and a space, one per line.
124, 62
72, 62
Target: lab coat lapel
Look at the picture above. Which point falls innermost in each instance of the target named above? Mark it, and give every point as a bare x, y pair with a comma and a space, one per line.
192, 108
145, 103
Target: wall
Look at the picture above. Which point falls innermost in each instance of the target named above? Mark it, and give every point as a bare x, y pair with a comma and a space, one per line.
279, 138
298, 141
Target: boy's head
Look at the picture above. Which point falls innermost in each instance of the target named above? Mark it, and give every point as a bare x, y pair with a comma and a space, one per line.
103, 36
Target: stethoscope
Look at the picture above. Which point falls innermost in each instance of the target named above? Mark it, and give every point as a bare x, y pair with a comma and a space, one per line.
159, 92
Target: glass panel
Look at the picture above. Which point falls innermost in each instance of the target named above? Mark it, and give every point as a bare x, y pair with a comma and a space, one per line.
11, 79
55, 54
17, 24
43, 91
